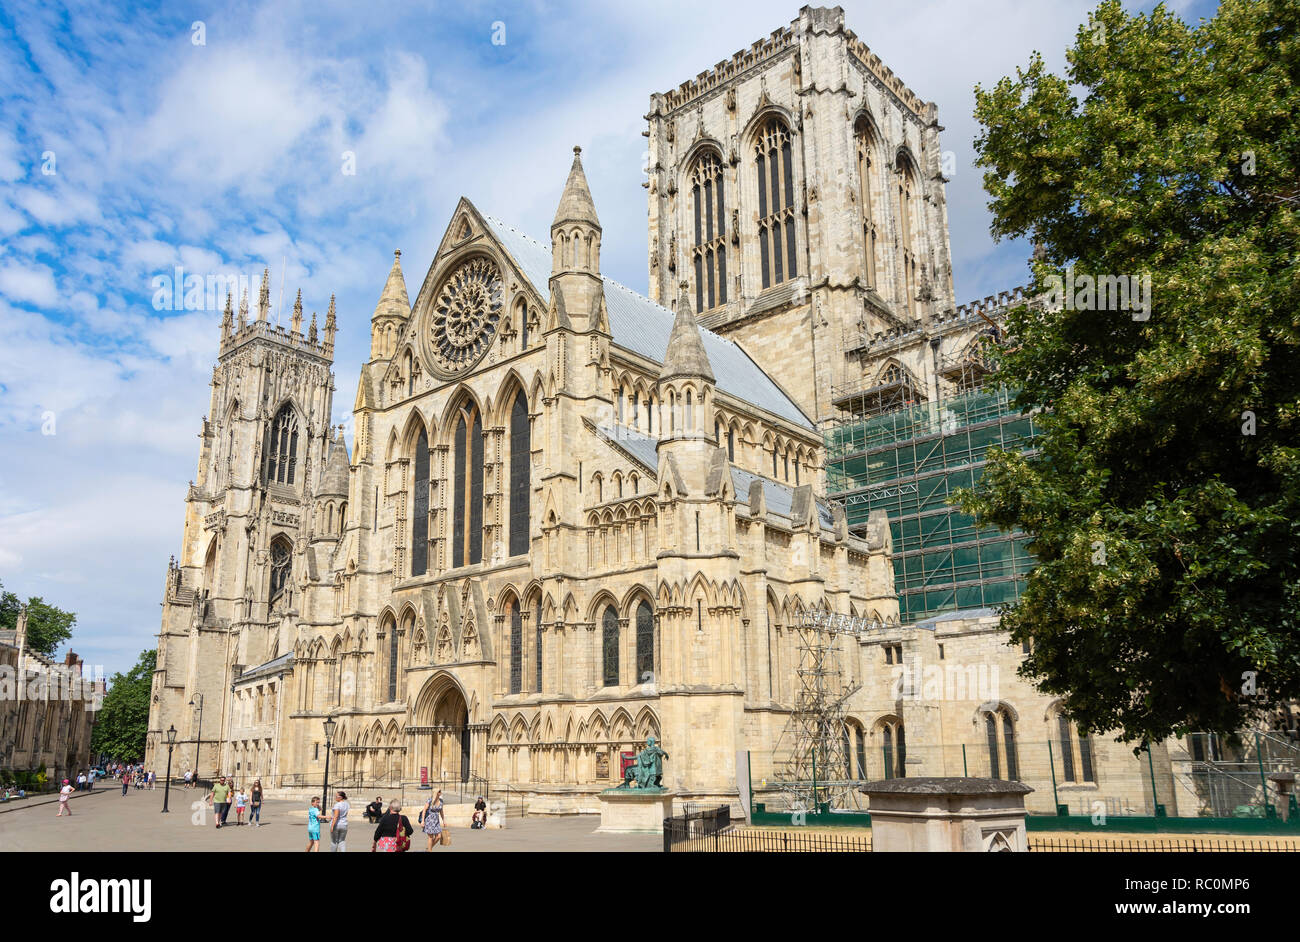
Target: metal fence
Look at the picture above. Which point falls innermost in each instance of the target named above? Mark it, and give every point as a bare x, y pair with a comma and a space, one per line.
1180, 846
696, 830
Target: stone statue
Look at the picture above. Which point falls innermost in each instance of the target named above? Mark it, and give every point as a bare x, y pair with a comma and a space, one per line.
648, 770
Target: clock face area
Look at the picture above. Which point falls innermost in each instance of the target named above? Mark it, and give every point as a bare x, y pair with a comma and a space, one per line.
463, 318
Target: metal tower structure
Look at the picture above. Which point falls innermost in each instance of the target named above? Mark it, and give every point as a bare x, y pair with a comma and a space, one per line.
814, 771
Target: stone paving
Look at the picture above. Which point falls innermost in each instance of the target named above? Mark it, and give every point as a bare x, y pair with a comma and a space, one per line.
108, 821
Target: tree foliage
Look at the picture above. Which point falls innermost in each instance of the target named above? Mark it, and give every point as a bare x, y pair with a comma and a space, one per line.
47, 626
123, 721
1164, 501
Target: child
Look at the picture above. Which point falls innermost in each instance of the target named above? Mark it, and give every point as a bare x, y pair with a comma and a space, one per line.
313, 825
241, 799
64, 793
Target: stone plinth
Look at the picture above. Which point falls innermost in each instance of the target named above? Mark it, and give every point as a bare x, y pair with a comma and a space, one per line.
947, 814
634, 810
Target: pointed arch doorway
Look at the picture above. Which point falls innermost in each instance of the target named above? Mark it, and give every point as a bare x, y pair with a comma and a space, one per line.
443, 731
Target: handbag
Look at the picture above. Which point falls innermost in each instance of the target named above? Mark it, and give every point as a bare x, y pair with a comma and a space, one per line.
445, 839
403, 839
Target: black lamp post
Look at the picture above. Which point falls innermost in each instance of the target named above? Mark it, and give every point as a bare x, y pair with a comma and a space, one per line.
329, 738
167, 783
198, 745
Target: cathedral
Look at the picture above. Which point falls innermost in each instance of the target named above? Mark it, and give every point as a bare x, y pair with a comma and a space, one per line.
572, 516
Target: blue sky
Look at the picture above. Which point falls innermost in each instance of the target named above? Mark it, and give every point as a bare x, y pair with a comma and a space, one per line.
127, 149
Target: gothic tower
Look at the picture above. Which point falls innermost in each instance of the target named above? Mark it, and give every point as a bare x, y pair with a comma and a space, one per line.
798, 190
232, 598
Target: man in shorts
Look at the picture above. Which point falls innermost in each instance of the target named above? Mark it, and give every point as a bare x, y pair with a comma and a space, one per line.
220, 796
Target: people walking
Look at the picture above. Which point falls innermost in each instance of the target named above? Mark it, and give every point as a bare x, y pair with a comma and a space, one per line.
255, 804
220, 798
339, 824
64, 794
126, 782
432, 819
393, 833
313, 825
153, 780
241, 801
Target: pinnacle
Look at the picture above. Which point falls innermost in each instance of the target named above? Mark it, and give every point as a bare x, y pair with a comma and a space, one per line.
576, 204
394, 300
686, 356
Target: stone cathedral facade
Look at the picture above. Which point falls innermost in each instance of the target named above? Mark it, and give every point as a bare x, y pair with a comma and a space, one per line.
573, 516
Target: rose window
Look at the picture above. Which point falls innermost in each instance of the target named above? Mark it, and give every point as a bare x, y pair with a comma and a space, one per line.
465, 315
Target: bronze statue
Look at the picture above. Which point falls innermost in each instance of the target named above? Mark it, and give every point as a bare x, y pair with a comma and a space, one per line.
648, 770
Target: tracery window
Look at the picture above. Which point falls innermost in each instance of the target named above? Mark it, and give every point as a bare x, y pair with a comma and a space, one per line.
866, 147
281, 567
392, 661
776, 240
520, 487
1076, 751
516, 649
645, 643
282, 449
1000, 731
894, 747
467, 489
420, 508
709, 253
537, 628
609, 648
907, 251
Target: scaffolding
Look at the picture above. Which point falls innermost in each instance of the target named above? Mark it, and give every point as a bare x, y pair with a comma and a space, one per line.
813, 770
909, 462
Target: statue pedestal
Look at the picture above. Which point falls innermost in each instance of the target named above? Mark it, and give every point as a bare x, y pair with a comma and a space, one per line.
634, 810
947, 814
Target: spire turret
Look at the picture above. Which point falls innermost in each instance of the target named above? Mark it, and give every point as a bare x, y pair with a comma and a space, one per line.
391, 313
686, 355
296, 320
227, 319
264, 295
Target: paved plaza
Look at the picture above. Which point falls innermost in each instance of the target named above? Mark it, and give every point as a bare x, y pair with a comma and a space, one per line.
108, 821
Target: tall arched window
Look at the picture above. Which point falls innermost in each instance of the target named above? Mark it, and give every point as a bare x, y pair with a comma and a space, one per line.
1076, 751
392, 662
773, 153
1000, 732
520, 488
537, 629
690, 416
516, 649
710, 249
467, 489
410, 375
420, 507
609, 648
894, 747
906, 219
645, 643
281, 566
282, 448
731, 444
866, 147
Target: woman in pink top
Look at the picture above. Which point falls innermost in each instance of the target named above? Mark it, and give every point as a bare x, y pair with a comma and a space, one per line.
64, 793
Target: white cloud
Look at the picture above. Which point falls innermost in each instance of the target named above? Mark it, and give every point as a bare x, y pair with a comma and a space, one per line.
28, 284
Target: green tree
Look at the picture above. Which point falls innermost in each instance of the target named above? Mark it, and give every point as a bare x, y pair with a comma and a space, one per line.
47, 626
123, 721
1164, 502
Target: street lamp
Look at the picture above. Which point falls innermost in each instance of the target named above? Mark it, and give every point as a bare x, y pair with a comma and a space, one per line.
167, 783
329, 738
198, 745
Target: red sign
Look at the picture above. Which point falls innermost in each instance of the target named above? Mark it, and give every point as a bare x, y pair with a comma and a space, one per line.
625, 760
424, 775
